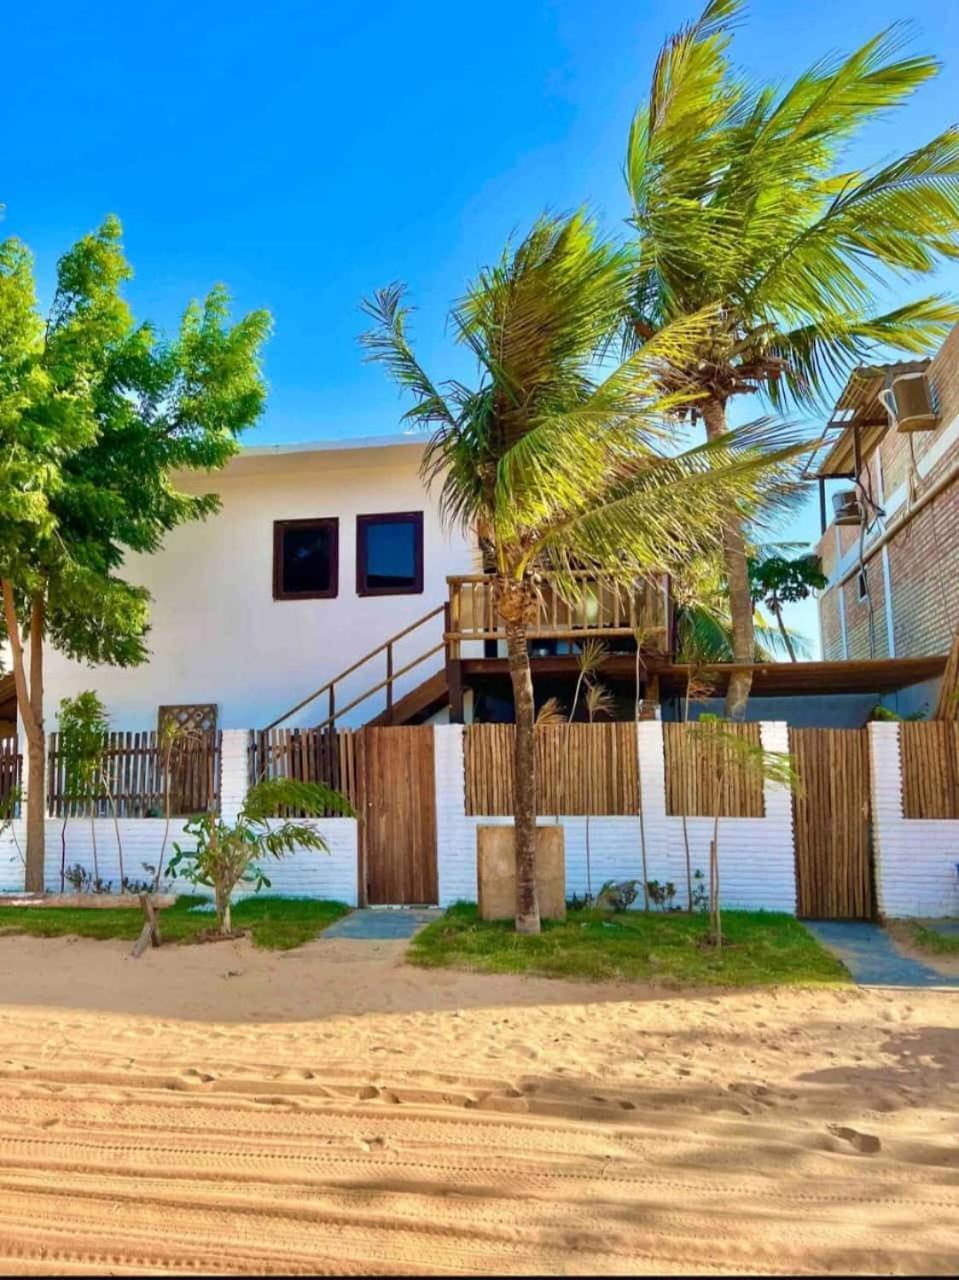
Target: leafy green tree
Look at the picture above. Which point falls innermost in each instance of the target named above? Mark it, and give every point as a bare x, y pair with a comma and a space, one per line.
742, 202
82, 726
97, 413
225, 855
777, 580
703, 624
554, 459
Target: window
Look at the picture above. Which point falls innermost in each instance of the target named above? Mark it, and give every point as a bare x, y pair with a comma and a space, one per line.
862, 585
305, 559
389, 554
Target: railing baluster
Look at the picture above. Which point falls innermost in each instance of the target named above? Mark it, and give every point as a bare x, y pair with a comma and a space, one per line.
389, 676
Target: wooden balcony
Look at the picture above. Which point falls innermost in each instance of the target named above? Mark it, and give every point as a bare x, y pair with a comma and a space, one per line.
467, 631
600, 608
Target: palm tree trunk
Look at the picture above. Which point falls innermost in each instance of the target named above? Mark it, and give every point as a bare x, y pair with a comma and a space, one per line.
777, 610
524, 779
737, 578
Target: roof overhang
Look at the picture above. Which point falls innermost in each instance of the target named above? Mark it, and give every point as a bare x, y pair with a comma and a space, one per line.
314, 455
783, 679
859, 411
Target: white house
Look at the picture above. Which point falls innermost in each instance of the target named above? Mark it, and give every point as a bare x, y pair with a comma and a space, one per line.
319, 553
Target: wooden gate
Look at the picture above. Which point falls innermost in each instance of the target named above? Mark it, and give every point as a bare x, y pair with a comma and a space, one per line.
831, 816
398, 834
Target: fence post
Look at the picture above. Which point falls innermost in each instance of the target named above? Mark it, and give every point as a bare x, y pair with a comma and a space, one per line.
234, 772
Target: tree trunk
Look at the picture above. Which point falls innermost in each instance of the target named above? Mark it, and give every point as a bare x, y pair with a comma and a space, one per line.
222, 903
778, 611
30, 706
524, 779
737, 579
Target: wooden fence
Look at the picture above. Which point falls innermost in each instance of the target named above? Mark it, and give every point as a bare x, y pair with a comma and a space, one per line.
930, 769
328, 755
580, 769
138, 779
11, 777
702, 771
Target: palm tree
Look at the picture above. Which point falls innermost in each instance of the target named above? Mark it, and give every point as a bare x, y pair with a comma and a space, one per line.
702, 619
741, 203
555, 456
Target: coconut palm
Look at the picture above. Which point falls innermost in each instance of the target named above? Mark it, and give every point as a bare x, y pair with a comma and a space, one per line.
557, 455
703, 624
741, 202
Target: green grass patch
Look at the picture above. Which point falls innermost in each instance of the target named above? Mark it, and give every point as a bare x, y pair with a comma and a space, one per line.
278, 924
926, 939
760, 947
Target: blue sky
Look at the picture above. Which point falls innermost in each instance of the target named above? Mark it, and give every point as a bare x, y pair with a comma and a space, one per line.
305, 153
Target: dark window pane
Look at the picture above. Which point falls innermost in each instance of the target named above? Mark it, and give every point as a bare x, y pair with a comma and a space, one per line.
307, 559
391, 556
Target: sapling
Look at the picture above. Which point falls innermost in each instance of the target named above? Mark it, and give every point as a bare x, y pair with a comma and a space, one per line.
83, 727
227, 854
730, 750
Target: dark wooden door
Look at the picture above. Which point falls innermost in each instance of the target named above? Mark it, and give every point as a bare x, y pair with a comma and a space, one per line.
831, 819
399, 836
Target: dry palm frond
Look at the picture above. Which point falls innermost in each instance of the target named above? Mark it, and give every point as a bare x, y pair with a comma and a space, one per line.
599, 702
591, 657
550, 713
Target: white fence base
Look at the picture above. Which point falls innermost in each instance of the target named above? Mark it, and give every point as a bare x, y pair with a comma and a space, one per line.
915, 860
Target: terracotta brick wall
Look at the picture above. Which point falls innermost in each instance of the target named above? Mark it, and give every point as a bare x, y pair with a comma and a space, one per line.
895, 449
866, 630
831, 629
923, 557
924, 567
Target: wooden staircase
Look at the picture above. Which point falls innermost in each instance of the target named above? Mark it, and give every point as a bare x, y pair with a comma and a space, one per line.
416, 704
420, 703
600, 608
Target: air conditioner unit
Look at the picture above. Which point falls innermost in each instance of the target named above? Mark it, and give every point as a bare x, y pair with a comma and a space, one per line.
912, 407
846, 508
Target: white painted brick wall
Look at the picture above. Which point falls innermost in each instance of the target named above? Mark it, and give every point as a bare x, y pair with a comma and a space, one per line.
13, 844
915, 858
234, 771
757, 862
305, 873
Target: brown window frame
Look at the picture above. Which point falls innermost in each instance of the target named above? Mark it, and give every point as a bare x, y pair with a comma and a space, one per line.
389, 517
279, 528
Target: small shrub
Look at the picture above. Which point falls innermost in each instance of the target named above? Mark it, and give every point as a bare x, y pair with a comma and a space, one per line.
700, 892
617, 895
661, 895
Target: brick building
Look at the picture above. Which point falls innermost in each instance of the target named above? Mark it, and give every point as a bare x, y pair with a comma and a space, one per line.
891, 547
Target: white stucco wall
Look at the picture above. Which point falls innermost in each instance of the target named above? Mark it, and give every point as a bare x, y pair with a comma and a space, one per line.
915, 858
217, 634
757, 864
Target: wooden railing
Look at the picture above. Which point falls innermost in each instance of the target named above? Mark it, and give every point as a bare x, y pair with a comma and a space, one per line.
600, 607
328, 691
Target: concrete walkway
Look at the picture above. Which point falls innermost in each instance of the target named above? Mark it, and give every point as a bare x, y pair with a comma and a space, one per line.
871, 956
382, 924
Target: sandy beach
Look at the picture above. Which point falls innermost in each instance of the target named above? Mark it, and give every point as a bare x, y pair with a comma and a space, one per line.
331, 1110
